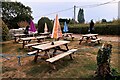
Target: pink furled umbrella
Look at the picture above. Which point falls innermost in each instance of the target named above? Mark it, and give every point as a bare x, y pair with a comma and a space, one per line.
56, 33
32, 27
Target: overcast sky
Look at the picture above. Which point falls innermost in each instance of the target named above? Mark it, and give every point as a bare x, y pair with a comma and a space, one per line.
49, 8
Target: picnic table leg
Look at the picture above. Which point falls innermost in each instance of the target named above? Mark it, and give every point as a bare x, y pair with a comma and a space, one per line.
81, 40
66, 47
88, 39
98, 40
15, 38
54, 51
23, 44
38, 40
29, 40
19, 38
96, 37
71, 37
59, 48
36, 56
71, 56
47, 54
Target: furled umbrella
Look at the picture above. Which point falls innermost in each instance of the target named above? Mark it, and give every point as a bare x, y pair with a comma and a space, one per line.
45, 29
56, 32
65, 29
32, 27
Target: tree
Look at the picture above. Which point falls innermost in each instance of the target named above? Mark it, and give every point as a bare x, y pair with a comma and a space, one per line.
81, 16
103, 20
41, 24
103, 62
64, 20
5, 31
14, 12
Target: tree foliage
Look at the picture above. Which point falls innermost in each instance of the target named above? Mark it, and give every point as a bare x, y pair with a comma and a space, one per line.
13, 12
81, 16
103, 21
41, 24
103, 62
64, 20
5, 31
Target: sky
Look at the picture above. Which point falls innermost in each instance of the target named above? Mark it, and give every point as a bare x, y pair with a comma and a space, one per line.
64, 9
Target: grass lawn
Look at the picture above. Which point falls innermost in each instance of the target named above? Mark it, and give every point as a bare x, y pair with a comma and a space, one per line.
83, 65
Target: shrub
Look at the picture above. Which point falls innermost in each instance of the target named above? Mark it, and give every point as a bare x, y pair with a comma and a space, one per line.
5, 32
41, 24
103, 29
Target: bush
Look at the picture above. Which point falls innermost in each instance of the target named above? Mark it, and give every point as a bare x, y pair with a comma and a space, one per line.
5, 32
41, 24
103, 29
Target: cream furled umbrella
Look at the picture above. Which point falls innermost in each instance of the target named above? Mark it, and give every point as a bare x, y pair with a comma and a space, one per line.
45, 29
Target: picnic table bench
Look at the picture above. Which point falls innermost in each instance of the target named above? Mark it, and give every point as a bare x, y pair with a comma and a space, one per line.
96, 40
19, 36
59, 56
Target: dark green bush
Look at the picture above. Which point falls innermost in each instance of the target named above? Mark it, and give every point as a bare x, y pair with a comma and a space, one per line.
99, 29
41, 24
5, 32
108, 30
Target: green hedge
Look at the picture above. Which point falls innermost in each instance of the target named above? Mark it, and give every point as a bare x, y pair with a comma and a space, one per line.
99, 29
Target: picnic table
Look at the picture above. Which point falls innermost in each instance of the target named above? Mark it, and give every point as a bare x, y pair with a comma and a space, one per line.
19, 36
45, 34
46, 47
90, 38
28, 39
68, 35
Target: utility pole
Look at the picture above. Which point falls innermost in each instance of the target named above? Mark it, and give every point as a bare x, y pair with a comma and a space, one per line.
119, 10
74, 14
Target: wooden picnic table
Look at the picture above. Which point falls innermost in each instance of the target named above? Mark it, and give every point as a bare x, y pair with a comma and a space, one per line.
46, 47
68, 35
89, 38
28, 39
19, 36
45, 34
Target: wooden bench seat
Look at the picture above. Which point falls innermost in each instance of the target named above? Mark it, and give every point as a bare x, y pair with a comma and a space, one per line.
59, 56
33, 52
99, 39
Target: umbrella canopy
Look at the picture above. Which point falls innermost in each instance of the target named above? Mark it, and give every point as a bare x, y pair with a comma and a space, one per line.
32, 27
65, 29
56, 33
45, 29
